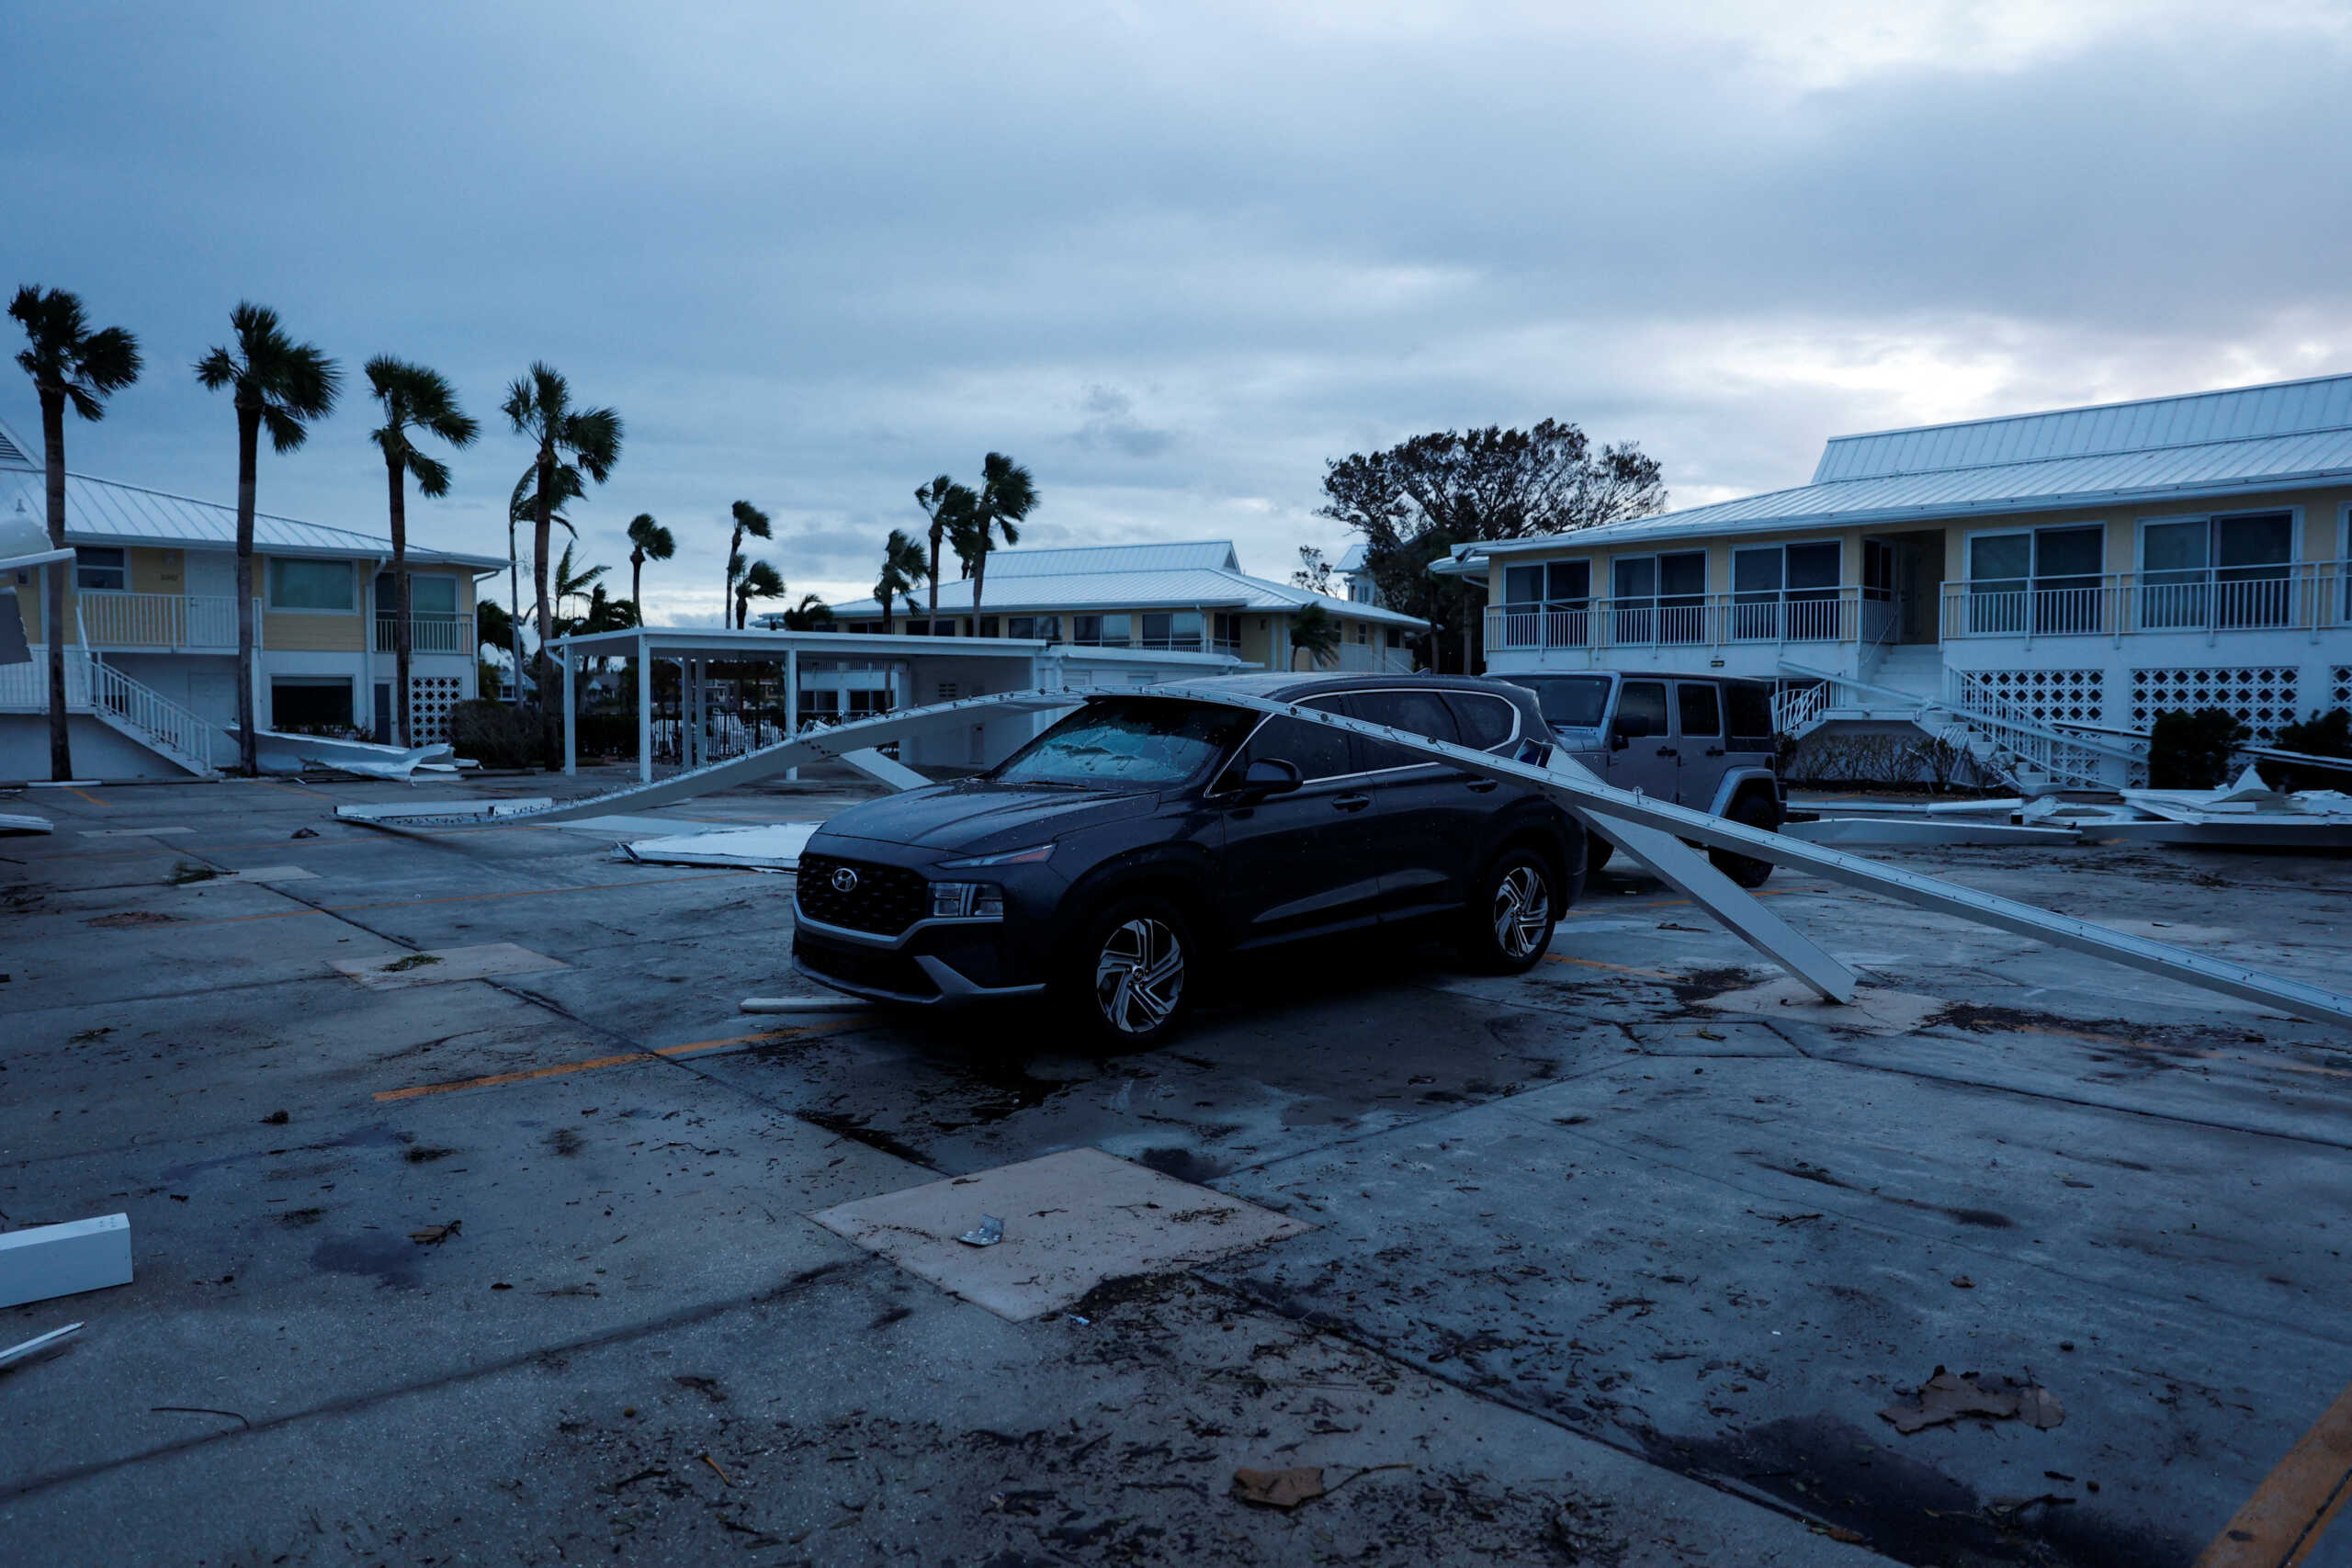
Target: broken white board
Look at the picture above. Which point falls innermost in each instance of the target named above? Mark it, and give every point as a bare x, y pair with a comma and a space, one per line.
12, 823
1922, 830
473, 810
775, 846
43, 1262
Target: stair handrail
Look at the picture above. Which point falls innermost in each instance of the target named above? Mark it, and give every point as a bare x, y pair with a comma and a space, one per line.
173, 726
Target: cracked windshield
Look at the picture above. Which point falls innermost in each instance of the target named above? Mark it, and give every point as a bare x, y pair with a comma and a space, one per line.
1126, 742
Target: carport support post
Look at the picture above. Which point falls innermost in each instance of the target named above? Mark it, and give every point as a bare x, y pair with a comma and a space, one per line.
571, 709
644, 713
791, 701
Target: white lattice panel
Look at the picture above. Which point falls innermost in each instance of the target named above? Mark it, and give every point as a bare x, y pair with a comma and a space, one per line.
2074, 697
2262, 695
429, 697
2340, 683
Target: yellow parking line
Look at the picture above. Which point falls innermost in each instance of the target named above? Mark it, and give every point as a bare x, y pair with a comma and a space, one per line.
2281, 1524
1619, 968
691, 1048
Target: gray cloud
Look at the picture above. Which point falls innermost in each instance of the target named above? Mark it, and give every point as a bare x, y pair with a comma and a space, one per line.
1174, 257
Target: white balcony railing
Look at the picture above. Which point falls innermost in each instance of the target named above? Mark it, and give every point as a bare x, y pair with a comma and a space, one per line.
427, 634
176, 621
2304, 596
1847, 613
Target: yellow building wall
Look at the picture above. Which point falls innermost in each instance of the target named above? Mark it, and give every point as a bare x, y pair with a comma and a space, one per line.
155, 570
310, 631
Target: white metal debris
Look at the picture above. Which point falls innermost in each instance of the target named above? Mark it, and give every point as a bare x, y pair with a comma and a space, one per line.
14, 823
775, 846
43, 1261
38, 1343
1923, 831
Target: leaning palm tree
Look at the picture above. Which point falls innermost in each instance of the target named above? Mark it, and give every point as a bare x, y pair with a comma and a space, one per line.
69, 364
902, 568
571, 581
811, 614
748, 519
571, 442
1007, 495
1314, 633
414, 398
760, 580
949, 507
523, 506
276, 382
647, 541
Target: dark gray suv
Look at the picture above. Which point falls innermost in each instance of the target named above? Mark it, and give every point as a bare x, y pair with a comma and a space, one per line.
1703, 741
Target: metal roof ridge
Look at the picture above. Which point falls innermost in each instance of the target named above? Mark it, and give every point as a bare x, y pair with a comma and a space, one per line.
2101, 408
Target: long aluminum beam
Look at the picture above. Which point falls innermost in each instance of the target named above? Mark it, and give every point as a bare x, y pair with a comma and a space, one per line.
815, 746
1607, 808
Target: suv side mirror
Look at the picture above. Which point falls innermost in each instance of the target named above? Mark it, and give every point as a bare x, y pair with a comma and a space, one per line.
1628, 727
1266, 776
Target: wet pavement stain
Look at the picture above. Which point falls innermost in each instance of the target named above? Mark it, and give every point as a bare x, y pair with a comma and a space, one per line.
389, 1260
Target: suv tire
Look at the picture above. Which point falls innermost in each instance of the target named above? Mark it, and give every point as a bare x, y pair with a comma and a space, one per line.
1508, 925
1597, 851
1751, 810
1129, 978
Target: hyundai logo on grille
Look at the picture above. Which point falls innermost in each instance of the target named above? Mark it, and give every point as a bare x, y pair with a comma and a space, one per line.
844, 880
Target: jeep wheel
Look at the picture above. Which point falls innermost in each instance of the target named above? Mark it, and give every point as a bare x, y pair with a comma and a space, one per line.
1750, 810
1507, 927
1131, 976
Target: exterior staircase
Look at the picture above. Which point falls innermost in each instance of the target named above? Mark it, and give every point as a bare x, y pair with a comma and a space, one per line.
1912, 685
169, 729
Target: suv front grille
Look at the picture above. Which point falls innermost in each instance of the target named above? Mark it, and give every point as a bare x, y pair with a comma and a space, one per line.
885, 899
875, 970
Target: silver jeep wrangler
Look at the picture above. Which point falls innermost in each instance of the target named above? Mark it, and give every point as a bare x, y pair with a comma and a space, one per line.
1703, 741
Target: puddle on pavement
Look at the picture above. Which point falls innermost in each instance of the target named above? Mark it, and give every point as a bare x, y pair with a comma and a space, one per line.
389, 1259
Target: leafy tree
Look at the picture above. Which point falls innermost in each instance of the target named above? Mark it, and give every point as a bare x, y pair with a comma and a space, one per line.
1314, 632
572, 443
2325, 734
70, 365
949, 507
273, 381
647, 541
748, 519
811, 614
493, 627
1414, 502
760, 580
2192, 751
413, 398
1313, 573
1006, 497
902, 568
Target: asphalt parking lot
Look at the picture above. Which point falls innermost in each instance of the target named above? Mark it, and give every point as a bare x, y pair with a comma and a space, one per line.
1617, 1263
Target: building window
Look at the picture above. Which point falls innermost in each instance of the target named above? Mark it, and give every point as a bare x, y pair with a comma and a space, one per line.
2041, 580
101, 569
428, 595
1785, 592
309, 584
2217, 572
311, 704
1100, 631
1660, 598
1176, 628
1554, 585
987, 625
1228, 629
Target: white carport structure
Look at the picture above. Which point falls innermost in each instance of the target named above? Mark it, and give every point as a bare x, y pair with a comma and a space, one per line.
899, 671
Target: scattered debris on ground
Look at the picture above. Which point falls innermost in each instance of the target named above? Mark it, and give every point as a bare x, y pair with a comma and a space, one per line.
1945, 1398
434, 1235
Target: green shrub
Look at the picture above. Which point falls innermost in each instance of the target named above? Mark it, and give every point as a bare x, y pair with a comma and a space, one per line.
498, 736
2192, 751
2321, 735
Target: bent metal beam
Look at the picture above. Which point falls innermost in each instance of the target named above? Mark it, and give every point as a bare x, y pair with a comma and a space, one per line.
1650, 830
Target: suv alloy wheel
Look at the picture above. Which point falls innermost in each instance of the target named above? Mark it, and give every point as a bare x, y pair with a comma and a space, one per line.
1133, 974
1507, 927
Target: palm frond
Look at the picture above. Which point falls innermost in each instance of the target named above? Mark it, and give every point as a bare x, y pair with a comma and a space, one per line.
216, 371
286, 431
750, 519
431, 473
651, 539
110, 361
595, 438
762, 580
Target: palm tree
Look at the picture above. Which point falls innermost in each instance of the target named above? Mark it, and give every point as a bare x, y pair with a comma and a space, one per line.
902, 568
647, 541
571, 581
949, 507
282, 384
571, 442
811, 614
1007, 496
413, 398
748, 519
69, 364
523, 506
1315, 634
760, 580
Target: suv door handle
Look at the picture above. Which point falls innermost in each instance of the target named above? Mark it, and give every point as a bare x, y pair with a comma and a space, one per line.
1668, 751
1480, 786
1350, 802
1714, 750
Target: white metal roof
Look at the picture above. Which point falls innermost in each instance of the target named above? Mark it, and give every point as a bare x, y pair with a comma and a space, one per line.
1178, 588
1212, 555
101, 512
14, 453
2202, 445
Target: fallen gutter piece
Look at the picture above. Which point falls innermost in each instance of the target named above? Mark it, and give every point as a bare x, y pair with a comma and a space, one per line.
43, 1262
890, 770
1913, 830
1909, 808
12, 823
777, 847
818, 1005
38, 1343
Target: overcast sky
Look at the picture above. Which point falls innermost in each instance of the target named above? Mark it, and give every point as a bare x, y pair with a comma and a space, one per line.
1171, 256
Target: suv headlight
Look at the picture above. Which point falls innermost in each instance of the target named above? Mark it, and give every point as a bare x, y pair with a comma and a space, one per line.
967, 901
